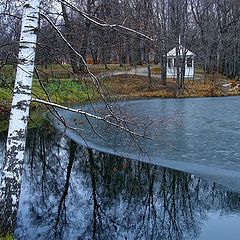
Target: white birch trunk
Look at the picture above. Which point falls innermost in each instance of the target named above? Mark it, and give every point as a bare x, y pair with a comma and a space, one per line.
15, 146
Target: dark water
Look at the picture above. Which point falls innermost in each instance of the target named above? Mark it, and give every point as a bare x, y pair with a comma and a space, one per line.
71, 192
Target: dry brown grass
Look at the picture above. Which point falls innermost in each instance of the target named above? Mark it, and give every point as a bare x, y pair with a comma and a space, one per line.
132, 86
65, 71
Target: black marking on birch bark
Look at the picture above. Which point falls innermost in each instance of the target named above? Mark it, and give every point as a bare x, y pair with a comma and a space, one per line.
31, 20
29, 27
11, 187
22, 105
20, 134
23, 46
20, 146
22, 86
17, 172
29, 30
22, 60
19, 91
34, 17
12, 152
24, 119
27, 5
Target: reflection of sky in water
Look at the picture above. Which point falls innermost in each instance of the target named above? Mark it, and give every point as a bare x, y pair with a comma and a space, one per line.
215, 227
197, 135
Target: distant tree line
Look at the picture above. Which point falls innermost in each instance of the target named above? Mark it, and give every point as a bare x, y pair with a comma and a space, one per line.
209, 28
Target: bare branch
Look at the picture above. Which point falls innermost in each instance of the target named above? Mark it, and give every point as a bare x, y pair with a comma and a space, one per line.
87, 114
105, 24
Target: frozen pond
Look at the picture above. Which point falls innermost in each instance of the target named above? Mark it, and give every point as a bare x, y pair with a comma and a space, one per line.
199, 136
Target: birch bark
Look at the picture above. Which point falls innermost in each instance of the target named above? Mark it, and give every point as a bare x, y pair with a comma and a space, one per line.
15, 146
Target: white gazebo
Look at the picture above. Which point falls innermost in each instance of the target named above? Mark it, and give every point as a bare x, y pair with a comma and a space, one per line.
172, 62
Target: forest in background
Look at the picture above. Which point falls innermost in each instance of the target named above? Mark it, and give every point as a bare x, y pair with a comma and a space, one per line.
209, 28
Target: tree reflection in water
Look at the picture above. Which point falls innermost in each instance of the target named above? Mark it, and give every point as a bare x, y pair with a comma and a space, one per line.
70, 192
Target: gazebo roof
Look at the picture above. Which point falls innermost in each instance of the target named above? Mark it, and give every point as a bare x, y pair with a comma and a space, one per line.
183, 51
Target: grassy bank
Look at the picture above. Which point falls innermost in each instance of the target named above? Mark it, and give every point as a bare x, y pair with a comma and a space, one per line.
9, 236
62, 91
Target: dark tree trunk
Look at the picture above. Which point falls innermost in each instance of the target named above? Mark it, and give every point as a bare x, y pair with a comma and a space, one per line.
74, 59
83, 49
163, 67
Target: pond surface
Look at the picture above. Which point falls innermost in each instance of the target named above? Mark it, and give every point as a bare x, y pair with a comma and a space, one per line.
199, 135
72, 192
